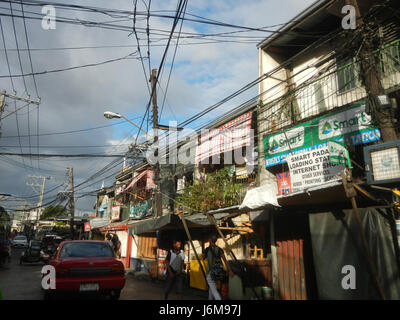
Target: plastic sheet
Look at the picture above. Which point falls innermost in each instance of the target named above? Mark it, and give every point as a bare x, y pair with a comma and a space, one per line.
336, 242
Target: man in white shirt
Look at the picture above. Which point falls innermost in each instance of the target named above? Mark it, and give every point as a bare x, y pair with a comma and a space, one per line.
175, 270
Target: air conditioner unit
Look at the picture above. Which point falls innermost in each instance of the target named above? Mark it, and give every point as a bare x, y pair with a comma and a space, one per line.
382, 162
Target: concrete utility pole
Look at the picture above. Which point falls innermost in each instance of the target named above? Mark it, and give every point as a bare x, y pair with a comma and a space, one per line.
71, 200
41, 192
372, 81
157, 196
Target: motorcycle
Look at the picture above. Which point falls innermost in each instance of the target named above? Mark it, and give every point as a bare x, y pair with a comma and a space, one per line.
34, 253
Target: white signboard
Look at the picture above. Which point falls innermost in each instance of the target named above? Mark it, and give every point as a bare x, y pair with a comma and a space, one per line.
115, 212
312, 168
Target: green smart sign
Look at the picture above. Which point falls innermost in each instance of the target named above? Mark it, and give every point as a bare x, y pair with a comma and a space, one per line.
338, 154
353, 122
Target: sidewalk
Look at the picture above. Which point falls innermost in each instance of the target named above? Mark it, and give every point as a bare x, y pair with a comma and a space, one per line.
140, 287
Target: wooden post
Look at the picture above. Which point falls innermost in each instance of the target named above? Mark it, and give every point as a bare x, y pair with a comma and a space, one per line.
191, 243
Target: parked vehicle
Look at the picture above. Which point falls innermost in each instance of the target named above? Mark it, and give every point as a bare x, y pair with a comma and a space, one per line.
34, 253
87, 267
20, 241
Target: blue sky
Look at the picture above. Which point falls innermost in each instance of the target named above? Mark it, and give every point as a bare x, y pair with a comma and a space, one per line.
202, 75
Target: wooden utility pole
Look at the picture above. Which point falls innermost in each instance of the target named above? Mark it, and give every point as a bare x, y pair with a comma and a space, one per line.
71, 200
371, 75
157, 195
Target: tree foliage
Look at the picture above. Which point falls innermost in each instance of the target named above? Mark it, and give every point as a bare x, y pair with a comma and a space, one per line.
53, 212
218, 191
4, 217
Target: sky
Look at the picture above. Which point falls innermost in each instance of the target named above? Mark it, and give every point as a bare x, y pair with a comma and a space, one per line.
74, 100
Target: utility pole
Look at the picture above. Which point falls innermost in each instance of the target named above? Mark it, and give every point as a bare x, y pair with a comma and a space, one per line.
371, 76
71, 200
157, 196
35, 185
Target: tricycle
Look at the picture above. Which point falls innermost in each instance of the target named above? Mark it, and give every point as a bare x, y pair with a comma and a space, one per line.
34, 253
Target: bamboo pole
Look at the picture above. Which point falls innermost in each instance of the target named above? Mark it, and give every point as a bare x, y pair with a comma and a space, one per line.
211, 218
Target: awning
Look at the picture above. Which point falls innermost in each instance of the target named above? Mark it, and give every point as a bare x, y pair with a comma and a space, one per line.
122, 225
98, 222
149, 183
259, 198
172, 222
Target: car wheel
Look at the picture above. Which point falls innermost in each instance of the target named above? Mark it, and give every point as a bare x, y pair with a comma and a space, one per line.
115, 294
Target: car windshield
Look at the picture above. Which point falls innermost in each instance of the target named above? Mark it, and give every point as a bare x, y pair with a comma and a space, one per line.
20, 238
35, 245
88, 249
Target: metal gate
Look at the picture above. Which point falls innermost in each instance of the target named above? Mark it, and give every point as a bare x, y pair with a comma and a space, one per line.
292, 284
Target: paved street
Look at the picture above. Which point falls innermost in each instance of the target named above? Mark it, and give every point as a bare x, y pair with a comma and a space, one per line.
22, 282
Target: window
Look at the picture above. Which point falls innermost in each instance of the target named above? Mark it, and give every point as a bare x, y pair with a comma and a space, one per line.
390, 58
347, 79
88, 249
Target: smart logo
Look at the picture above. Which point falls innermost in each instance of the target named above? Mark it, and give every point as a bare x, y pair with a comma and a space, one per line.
345, 122
327, 128
282, 142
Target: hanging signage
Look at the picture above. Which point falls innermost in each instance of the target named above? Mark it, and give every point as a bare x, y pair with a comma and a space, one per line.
312, 168
284, 184
115, 212
232, 135
338, 154
87, 227
141, 209
353, 124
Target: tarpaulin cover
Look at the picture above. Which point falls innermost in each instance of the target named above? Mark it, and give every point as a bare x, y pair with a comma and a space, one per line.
259, 198
336, 242
172, 222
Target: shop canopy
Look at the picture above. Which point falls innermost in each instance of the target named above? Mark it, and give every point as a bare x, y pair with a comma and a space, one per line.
172, 222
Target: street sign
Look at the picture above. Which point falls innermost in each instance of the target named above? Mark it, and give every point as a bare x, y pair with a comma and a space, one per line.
87, 227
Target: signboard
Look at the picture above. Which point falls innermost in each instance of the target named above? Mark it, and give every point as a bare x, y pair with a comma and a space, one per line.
312, 168
338, 154
353, 124
115, 212
141, 209
284, 184
232, 135
87, 227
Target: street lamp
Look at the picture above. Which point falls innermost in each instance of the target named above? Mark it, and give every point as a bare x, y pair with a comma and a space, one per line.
112, 115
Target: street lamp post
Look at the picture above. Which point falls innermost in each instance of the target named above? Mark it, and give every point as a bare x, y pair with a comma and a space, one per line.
112, 115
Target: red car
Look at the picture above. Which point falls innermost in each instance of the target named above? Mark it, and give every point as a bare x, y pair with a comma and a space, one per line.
87, 267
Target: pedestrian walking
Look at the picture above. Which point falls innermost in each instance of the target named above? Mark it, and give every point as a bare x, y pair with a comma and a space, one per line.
215, 269
175, 270
109, 240
117, 246
8, 245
